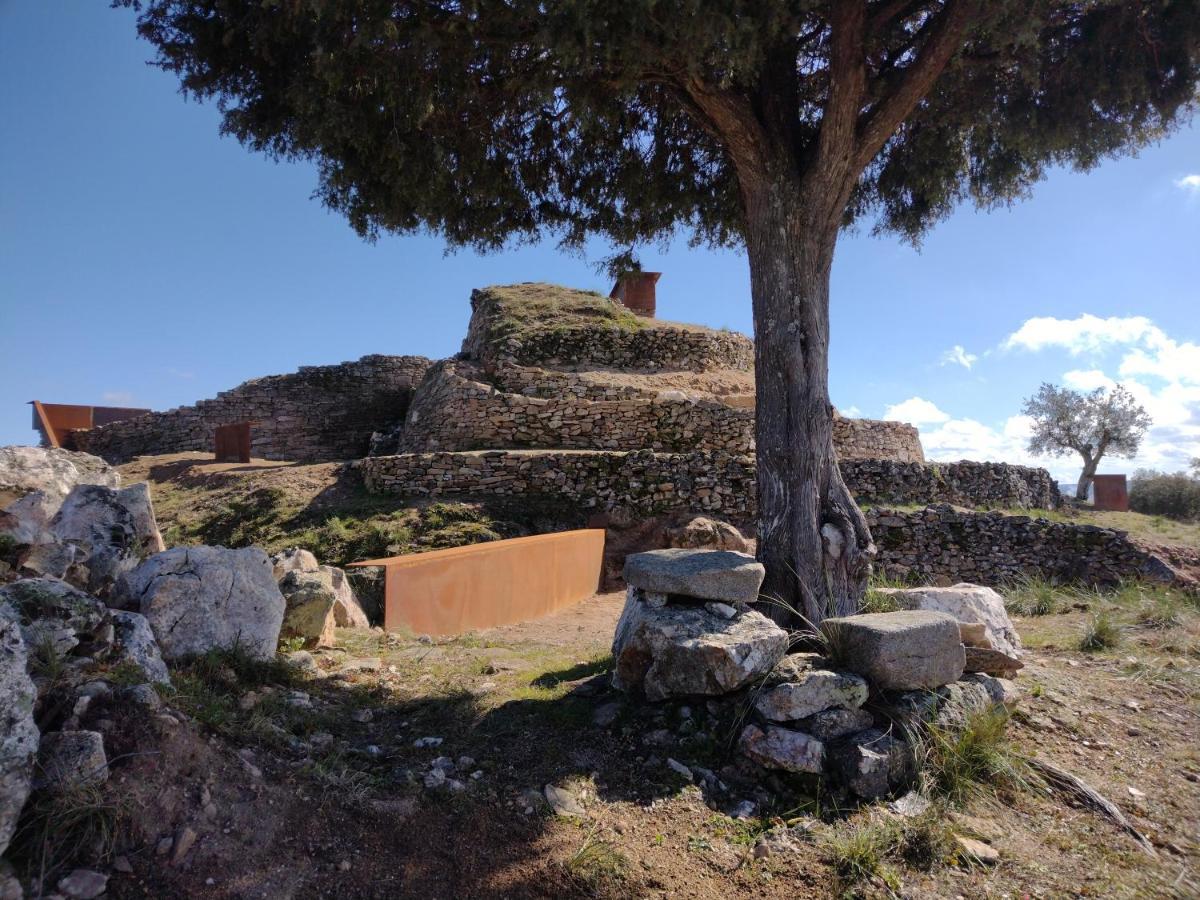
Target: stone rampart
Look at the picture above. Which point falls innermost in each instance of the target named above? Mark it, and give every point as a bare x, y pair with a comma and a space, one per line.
614, 480
875, 439
317, 413
995, 549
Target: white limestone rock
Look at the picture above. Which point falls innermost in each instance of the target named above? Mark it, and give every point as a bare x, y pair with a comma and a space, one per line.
112, 530
969, 603
52, 471
200, 598
782, 748
133, 642
18, 732
902, 651
703, 574
810, 693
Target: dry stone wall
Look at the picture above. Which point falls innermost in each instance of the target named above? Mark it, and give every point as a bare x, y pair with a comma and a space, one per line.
995, 549
875, 439
679, 481
317, 413
455, 411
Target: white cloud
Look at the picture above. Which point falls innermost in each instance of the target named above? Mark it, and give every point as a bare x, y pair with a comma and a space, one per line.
1087, 380
120, 398
851, 412
1086, 333
958, 356
915, 411
1189, 183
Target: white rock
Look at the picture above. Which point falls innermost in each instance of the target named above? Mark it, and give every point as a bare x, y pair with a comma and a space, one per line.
18, 733
970, 603
133, 642
295, 559
782, 748
52, 471
812, 692
83, 884
113, 530
72, 759
200, 598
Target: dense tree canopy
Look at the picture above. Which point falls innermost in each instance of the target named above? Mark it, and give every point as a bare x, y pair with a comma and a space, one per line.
1099, 423
770, 124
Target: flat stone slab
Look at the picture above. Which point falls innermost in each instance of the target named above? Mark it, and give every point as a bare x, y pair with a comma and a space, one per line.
903, 651
812, 692
782, 748
724, 575
972, 604
991, 662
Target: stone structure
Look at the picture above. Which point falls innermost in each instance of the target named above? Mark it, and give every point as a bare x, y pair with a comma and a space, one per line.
994, 549
701, 481
317, 413
874, 439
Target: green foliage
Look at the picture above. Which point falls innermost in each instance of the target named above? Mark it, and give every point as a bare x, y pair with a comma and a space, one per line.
597, 863
1033, 595
961, 761
857, 852
523, 309
1175, 496
1102, 633
495, 120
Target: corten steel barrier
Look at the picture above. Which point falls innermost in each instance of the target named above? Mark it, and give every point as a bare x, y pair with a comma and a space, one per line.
464, 588
232, 442
1110, 492
56, 421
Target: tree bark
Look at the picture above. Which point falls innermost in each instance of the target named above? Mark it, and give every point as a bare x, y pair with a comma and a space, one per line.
1090, 464
812, 538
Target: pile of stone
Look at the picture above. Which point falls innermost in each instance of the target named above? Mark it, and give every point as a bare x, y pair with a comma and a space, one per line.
92, 608
848, 714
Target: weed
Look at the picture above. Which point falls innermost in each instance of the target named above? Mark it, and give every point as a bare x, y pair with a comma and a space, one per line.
961, 761
1102, 633
58, 828
1034, 596
927, 840
597, 863
857, 852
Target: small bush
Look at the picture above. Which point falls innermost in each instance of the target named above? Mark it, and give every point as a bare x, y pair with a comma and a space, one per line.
1102, 634
1034, 596
858, 852
597, 864
1176, 496
59, 829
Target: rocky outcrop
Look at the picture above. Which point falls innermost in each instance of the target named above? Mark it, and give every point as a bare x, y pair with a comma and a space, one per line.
56, 618
680, 650
908, 650
52, 471
200, 598
971, 604
18, 733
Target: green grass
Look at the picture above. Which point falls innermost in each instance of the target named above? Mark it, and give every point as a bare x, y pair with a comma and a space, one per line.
1102, 633
1036, 596
524, 309
962, 762
857, 852
62, 828
597, 864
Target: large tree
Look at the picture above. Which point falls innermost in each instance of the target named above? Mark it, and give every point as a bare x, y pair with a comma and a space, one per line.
767, 124
1094, 424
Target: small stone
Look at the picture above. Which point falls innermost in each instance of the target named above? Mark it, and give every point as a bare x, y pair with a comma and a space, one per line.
185, 838
362, 716
680, 768
782, 748
84, 884
910, 805
976, 851
604, 715
831, 724
873, 763
562, 801
1135, 793
344, 865
991, 662
421, 743
743, 809
724, 610
164, 845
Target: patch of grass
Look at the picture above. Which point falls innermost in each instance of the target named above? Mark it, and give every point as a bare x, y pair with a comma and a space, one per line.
1102, 633
927, 840
597, 864
1035, 596
520, 310
58, 829
961, 762
857, 852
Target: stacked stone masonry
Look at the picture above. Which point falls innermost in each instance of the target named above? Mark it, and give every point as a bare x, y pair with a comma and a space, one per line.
874, 439
317, 413
672, 481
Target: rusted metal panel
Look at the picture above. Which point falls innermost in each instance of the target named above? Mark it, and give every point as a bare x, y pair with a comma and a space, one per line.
636, 292
56, 421
233, 442
466, 588
1110, 492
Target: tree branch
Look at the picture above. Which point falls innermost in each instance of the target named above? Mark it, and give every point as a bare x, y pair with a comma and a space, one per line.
729, 117
946, 31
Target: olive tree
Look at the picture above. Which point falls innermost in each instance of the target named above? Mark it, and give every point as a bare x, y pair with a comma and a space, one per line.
769, 125
1094, 424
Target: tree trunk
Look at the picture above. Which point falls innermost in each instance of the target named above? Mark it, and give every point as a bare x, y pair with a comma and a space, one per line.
812, 538
1090, 464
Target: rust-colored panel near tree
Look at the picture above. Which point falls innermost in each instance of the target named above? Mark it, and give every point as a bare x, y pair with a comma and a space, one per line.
636, 292
465, 588
233, 442
1110, 492
56, 421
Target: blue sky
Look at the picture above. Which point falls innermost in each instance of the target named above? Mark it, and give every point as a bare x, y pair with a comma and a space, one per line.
144, 260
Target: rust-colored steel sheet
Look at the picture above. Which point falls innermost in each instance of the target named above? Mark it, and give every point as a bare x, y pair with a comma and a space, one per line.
232, 442
446, 592
56, 421
1110, 492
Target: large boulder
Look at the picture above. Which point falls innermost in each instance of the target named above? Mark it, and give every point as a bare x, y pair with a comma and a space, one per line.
675, 651
112, 530
294, 559
704, 574
27, 520
200, 598
134, 644
811, 692
18, 732
54, 616
309, 612
703, 533
969, 603
52, 471
903, 651
347, 611
782, 748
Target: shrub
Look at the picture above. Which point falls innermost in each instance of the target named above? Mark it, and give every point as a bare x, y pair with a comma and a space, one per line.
1175, 496
1102, 634
1032, 596
958, 762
